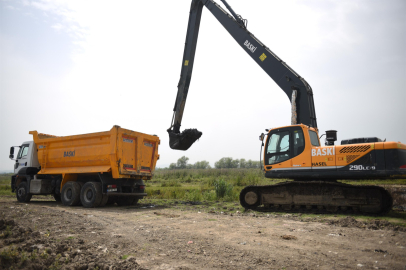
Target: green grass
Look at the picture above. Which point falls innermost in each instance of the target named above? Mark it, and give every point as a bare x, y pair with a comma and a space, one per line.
5, 184
222, 188
237, 177
200, 184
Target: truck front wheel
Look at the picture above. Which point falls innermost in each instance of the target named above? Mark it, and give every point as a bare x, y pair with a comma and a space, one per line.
70, 195
22, 192
91, 194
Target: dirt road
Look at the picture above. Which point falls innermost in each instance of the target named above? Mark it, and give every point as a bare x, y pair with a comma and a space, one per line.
47, 235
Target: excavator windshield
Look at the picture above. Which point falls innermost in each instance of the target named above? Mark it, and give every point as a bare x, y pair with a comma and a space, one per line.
283, 144
278, 147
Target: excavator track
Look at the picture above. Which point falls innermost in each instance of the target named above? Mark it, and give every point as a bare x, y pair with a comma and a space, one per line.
317, 196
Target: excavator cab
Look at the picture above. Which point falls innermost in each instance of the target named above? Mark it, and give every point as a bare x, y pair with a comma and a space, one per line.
285, 146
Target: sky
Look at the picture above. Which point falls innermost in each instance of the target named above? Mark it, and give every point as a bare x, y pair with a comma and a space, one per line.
73, 67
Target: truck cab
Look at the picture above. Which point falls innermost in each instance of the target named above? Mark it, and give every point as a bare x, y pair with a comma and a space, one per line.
27, 165
26, 156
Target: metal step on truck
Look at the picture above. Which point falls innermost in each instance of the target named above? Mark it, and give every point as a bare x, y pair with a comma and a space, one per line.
90, 169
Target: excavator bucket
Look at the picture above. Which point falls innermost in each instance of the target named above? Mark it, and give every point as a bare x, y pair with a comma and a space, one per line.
182, 141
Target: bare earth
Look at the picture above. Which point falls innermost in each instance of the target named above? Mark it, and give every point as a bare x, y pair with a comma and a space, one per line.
53, 236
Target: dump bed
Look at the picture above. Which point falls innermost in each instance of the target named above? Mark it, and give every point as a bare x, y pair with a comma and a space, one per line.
121, 152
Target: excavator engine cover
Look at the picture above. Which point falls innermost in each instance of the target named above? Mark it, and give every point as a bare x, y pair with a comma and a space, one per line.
182, 141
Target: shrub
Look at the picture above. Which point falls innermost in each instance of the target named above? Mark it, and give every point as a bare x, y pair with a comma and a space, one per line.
209, 195
172, 183
222, 188
194, 196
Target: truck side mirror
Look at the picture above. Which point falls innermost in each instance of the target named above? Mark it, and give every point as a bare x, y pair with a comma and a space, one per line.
261, 137
11, 156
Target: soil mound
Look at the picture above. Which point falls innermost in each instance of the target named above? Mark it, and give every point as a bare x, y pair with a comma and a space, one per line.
24, 248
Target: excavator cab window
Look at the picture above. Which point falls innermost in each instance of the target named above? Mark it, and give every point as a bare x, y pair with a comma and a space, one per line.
278, 148
314, 138
284, 144
298, 142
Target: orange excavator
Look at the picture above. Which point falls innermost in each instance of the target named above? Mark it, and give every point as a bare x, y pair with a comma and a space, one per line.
294, 152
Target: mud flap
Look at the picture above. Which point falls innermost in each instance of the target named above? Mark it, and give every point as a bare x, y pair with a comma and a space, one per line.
182, 141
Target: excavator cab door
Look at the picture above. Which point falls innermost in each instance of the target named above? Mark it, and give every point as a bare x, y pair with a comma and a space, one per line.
278, 149
282, 145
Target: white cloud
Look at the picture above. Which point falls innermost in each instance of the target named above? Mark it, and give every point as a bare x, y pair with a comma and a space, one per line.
57, 26
43, 6
67, 16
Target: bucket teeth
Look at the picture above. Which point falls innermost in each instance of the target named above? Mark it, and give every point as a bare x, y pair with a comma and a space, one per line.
183, 141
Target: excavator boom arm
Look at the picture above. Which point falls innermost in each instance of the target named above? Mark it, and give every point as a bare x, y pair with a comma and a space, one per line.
296, 88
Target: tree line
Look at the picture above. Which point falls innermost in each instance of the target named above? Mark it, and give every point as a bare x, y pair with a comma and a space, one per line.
223, 163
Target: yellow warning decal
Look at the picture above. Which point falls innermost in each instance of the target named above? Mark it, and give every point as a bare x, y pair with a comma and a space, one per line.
372, 146
186, 62
262, 57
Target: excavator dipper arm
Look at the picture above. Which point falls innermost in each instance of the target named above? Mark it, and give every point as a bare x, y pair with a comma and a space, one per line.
177, 140
283, 75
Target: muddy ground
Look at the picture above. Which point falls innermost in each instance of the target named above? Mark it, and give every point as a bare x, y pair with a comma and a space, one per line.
48, 235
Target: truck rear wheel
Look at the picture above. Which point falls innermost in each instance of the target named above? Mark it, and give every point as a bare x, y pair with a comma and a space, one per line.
22, 192
91, 194
70, 195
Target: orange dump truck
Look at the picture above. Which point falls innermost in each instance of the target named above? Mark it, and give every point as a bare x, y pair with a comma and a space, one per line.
90, 169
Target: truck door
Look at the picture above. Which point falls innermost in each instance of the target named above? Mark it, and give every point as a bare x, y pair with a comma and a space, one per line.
22, 158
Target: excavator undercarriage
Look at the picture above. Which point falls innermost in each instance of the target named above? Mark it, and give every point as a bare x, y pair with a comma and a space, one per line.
317, 196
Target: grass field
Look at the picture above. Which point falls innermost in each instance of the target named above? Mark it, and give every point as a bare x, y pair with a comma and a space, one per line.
197, 185
5, 184
206, 184
218, 190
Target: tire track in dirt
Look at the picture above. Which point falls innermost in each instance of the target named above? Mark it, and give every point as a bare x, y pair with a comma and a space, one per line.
188, 239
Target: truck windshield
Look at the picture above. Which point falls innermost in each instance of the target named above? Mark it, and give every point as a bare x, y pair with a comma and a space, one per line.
23, 151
